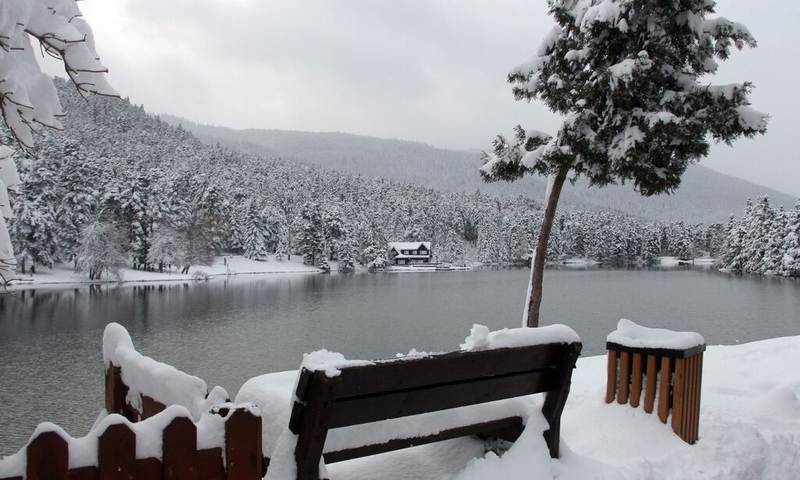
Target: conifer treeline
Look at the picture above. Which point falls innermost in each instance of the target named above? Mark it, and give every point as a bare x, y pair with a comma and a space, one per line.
118, 183
765, 241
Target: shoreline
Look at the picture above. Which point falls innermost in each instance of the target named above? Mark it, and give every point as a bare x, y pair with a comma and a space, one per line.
227, 266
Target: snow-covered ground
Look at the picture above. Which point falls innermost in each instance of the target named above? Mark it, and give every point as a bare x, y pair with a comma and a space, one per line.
749, 429
63, 273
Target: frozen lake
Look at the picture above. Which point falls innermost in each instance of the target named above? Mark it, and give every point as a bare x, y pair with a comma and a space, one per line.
228, 331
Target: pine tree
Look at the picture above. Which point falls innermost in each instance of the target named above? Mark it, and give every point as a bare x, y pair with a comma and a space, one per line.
255, 242
626, 75
312, 235
790, 263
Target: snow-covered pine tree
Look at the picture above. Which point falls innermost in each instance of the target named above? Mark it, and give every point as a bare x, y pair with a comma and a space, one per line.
348, 252
790, 263
34, 231
312, 235
255, 239
626, 75
775, 247
758, 224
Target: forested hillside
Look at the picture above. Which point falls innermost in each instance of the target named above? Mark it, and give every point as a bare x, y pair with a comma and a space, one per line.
121, 185
704, 196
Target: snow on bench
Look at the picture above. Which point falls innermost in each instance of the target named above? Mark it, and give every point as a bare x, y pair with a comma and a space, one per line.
337, 409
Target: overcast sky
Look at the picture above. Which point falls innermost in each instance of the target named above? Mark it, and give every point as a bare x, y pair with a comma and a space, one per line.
432, 71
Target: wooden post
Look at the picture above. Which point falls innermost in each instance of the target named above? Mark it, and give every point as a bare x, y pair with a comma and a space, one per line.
664, 389
243, 450
636, 381
116, 453
611, 382
115, 390
650, 387
319, 394
679, 396
180, 450
555, 400
624, 377
48, 458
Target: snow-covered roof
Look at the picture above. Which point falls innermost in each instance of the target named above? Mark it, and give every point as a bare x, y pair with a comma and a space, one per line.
409, 245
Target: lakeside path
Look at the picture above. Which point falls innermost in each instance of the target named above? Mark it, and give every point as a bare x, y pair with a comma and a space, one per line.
62, 274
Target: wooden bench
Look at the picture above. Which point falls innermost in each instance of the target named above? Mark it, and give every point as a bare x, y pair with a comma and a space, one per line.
404, 387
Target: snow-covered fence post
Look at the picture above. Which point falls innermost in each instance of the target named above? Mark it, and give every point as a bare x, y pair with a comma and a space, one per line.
48, 458
243, 453
674, 367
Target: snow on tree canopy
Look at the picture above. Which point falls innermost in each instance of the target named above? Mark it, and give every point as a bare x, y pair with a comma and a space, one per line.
480, 338
629, 334
626, 75
27, 95
160, 381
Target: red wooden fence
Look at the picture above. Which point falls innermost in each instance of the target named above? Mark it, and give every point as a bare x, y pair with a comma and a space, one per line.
117, 459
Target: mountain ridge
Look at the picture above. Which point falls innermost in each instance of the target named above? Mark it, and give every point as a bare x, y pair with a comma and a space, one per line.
704, 196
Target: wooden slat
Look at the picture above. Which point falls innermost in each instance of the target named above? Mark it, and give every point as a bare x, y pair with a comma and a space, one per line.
243, 445
11, 478
451, 367
512, 424
354, 411
679, 396
83, 473
116, 390
624, 377
116, 453
611, 377
699, 393
650, 386
210, 465
151, 407
180, 450
312, 423
48, 458
664, 388
148, 469
636, 380
688, 417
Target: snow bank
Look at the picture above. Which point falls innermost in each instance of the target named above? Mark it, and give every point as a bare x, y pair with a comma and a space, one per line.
480, 338
629, 334
161, 382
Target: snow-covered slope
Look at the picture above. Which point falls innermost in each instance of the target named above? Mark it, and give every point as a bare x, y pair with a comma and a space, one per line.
704, 196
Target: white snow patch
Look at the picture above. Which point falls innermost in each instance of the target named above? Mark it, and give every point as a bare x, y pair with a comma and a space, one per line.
481, 338
629, 334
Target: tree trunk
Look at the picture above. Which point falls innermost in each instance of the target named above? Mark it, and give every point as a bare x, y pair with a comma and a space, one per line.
537, 269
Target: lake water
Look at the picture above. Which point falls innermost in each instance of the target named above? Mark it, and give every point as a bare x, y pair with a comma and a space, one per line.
228, 331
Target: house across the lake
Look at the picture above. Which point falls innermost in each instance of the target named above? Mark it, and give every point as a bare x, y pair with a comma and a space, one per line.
407, 253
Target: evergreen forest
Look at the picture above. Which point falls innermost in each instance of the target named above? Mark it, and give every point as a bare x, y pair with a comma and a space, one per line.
119, 185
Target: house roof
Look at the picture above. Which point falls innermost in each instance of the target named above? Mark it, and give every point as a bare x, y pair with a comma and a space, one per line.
409, 245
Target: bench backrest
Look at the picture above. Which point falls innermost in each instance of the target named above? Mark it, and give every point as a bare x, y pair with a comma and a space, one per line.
403, 387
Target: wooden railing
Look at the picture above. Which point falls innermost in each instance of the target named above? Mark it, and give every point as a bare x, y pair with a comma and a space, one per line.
675, 374
47, 457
